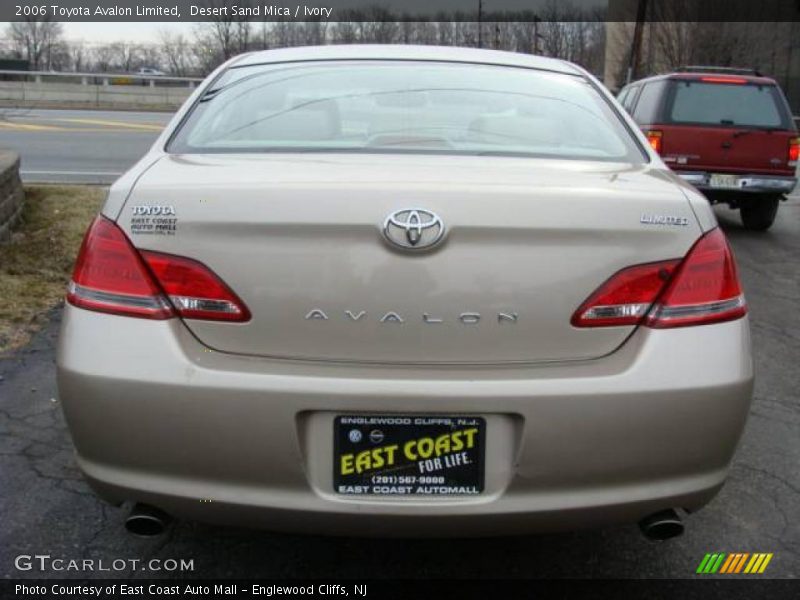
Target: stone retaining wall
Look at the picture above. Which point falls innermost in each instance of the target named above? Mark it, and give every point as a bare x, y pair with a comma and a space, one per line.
12, 197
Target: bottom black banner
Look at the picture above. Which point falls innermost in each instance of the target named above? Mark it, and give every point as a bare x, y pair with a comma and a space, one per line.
401, 589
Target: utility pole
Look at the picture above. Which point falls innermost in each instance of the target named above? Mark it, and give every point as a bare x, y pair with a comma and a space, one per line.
636, 47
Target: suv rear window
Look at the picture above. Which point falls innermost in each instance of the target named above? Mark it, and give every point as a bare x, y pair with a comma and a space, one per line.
733, 104
405, 106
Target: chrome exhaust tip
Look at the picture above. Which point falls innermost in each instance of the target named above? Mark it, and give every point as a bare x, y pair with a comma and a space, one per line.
662, 525
146, 521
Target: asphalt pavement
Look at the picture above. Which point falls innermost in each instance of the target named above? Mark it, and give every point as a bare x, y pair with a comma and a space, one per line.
81, 146
78, 146
47, 508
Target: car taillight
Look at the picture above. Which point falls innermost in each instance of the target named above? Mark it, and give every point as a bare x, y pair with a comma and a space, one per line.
794, 151
195, 291
702, 288
112, 276
625, 298
655, 137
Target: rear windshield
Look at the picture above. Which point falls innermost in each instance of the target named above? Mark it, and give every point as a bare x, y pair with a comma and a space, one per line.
740, 105
403, 106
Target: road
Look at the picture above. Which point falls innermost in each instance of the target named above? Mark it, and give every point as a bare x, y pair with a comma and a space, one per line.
50, 509
78, 146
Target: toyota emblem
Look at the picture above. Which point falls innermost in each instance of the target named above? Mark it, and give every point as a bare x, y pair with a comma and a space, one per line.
413, 228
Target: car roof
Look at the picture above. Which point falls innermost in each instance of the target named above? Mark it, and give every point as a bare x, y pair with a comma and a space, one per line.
406, 52
697, 76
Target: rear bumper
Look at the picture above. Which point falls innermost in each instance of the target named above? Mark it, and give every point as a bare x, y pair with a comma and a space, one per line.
747, 183
158, 418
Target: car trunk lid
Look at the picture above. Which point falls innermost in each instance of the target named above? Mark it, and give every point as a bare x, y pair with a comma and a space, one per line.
298, 238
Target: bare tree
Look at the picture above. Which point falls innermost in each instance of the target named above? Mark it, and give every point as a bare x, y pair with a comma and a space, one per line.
562, 31
345, 30
313, 33
285, 33
125, 55
231, 36
35, 39
175, 52
79, 54
376, 26
445, 31
59, 57
103, 58
150, 56
738, 44
220, 38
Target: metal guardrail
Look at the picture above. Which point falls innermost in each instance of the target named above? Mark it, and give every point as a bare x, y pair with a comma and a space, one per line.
103, 78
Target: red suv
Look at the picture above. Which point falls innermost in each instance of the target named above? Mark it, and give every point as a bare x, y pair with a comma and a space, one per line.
728, 132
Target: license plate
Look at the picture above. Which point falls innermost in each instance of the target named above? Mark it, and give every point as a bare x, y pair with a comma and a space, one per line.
721, 180
408, 456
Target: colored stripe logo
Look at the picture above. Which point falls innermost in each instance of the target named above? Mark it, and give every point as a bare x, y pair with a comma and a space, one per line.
734, 563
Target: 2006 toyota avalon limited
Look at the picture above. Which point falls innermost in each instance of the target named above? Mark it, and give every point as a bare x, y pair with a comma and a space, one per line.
383, 290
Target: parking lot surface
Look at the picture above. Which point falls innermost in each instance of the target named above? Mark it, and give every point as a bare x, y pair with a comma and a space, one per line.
48, 509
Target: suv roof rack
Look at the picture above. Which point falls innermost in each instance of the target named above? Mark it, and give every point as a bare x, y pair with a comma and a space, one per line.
729, 70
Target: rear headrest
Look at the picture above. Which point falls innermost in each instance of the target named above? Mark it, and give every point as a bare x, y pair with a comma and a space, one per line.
511, 129
307, 120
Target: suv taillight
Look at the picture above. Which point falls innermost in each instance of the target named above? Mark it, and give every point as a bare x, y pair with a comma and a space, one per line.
794, 151
655, 137
111, 276
702, 288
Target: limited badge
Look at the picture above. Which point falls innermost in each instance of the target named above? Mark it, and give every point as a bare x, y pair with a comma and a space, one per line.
648, 219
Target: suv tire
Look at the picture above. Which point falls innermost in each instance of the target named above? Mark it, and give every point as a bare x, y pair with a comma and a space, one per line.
758, 214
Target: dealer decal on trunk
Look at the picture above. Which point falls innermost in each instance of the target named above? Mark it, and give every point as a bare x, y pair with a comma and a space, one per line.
154, 220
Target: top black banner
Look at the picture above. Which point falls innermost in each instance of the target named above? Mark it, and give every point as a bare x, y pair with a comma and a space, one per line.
401, 10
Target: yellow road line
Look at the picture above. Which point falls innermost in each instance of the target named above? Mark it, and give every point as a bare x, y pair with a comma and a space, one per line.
71, 129
146, 126
26, 127
99, 130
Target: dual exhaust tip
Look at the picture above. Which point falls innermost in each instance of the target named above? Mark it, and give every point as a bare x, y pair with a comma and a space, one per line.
662, 525
148, 521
